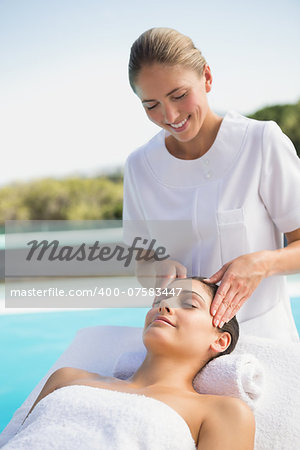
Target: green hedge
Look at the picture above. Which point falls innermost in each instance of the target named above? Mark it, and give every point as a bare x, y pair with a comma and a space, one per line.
67, 199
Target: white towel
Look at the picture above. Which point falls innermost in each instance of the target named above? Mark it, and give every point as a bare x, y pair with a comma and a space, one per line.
89, 418
277, 415
128, 363
236, 375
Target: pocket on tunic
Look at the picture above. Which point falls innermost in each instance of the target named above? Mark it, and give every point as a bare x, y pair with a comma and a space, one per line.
232, 234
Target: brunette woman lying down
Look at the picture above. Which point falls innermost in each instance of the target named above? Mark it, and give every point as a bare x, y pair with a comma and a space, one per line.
157, 408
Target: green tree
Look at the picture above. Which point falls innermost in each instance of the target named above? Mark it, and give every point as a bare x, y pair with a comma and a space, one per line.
287, 117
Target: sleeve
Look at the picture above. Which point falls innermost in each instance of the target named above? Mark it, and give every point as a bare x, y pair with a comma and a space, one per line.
132, 207
134, 220
280, 178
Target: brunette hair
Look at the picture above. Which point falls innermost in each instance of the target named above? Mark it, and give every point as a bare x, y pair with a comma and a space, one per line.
164, 46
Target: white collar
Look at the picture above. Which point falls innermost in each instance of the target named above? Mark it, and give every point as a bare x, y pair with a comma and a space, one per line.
211, 166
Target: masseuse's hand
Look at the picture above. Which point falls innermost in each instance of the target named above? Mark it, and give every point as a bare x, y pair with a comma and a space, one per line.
167, 271
239, 278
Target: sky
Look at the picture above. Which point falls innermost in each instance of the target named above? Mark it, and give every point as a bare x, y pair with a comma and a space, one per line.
66, 107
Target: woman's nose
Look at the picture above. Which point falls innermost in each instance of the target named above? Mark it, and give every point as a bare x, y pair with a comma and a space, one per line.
169, 114
164, 305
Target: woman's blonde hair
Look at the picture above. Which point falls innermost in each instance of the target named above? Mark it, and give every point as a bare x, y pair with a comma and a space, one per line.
164, 46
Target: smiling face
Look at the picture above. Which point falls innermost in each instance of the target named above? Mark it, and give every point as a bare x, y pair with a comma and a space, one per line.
175, 98
180, 321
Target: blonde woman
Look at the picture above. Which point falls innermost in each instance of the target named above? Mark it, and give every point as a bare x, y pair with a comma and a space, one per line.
157, 408
235, 179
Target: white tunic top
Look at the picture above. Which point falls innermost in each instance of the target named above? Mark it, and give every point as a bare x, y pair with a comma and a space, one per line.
239, 197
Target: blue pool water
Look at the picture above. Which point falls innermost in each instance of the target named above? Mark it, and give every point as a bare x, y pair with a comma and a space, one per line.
31, 343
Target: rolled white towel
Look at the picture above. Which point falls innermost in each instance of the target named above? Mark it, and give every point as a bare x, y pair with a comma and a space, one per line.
235, 375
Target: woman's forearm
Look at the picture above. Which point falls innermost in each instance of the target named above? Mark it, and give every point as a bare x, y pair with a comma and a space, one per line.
284, 261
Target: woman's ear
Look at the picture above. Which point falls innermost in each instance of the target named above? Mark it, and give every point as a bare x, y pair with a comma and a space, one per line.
221, 343
208, 78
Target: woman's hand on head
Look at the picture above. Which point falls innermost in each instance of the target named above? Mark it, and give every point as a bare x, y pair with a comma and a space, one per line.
167, 271
158, 274
239, 278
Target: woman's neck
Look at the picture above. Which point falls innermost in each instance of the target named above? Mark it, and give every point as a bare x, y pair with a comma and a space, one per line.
202, 142
161, 371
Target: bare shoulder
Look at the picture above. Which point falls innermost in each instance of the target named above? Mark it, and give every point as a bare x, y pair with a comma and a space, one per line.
62, 377
65, 375
233, 407
229, 424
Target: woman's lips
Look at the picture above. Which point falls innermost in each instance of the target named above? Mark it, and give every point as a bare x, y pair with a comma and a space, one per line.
181, 128
163, 320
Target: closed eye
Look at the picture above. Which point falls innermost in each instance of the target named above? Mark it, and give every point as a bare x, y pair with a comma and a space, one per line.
189, 305
175, 98
151, 107
181, 96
